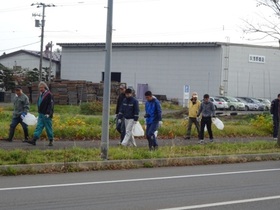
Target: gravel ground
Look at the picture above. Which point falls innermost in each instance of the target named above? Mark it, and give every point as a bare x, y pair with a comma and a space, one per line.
61, 144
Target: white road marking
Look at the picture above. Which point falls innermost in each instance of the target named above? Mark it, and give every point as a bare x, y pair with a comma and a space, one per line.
138, 180
224, 203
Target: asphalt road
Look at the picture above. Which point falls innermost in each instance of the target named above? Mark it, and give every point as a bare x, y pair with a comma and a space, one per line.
234, 186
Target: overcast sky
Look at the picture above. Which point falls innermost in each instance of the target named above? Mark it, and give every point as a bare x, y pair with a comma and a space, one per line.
133, 21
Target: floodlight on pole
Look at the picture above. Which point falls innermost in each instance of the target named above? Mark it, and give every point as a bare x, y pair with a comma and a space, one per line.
43, 5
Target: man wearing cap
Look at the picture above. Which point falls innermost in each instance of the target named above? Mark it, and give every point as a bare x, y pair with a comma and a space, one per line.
130, 112
194, 105
21, 107
120, 124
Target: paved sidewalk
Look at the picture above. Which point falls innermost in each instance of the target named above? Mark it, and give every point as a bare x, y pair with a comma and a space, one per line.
62, 144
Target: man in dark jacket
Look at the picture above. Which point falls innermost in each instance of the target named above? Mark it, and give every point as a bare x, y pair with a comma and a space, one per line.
207, 110
45, 106
21, 107
153, 119
130, 112
274, 110
120, 125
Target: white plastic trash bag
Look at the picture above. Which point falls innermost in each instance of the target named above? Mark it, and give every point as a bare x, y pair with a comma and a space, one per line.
205, 128
30, 119
137, 130
156, 133
218, 123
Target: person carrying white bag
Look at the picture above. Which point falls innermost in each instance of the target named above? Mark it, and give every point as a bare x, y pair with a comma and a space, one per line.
130, 112
207, 110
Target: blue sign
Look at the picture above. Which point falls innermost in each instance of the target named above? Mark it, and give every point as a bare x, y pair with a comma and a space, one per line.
187, 88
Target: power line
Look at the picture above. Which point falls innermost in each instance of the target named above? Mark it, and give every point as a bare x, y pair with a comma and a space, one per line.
20, 46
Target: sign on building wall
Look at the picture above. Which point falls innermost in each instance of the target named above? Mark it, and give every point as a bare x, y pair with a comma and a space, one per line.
256, 59
186, 94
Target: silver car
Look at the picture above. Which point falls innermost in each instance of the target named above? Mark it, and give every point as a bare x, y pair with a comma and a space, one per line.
254, 101
266, 102
233, 103
219, 103
248, 106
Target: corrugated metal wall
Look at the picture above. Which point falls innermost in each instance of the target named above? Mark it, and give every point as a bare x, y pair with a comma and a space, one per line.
165, 70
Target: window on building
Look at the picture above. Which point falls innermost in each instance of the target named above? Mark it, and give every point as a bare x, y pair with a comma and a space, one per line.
115, 76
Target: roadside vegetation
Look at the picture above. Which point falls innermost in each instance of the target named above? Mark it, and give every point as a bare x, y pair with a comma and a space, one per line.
19, 156
85, 121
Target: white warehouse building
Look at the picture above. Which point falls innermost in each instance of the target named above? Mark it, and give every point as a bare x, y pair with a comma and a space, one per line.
166, 68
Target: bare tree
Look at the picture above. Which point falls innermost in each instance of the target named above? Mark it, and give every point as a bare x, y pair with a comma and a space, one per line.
269, 26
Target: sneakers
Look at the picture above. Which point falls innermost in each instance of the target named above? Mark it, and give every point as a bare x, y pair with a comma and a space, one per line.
50, 143
25, 140
275, 138
201, 141
187, 137
8, 140
33, 142
153, 148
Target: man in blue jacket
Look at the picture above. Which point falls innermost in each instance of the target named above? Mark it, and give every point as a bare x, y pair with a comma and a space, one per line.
153, 119
130, 112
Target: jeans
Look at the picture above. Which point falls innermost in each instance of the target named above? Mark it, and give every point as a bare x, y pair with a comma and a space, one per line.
150, 134
13, 125
275, 126
192, 120
205, 121
129, 138
43, 122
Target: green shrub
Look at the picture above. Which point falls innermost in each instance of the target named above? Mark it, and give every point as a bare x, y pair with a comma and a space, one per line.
263, 122
91, 108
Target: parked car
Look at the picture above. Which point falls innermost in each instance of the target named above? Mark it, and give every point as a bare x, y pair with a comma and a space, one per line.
266, 102
219, 103
233, 103
260, 105
248, 105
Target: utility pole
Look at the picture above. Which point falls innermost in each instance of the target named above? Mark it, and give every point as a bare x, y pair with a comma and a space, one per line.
50, 45
107, 84
43, 5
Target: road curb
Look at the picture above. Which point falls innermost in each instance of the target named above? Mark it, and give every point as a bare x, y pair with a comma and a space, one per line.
130, 164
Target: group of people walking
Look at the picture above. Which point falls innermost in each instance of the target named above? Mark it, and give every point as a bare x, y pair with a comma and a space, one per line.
45, 105
127, 114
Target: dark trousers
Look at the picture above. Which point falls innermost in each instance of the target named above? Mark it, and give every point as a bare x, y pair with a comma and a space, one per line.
275, 126
13, 125
208, 122
192, 120
150, 134
121, 128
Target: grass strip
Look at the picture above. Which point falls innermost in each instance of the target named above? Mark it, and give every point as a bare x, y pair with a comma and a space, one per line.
76, 154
